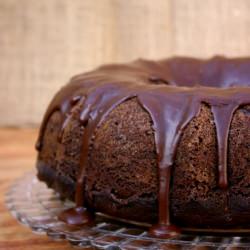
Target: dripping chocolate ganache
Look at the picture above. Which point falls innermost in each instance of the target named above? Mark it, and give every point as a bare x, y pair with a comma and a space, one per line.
164, 142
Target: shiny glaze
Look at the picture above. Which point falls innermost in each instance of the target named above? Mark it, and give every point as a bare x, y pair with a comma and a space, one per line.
171, 91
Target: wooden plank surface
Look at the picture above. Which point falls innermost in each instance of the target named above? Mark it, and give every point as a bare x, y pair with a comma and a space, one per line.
17, 156
43, 43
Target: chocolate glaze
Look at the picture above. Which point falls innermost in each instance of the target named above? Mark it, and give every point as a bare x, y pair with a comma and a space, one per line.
171, 91
77, 216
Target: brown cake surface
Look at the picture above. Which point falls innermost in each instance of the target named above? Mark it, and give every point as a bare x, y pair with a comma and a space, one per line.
121, 165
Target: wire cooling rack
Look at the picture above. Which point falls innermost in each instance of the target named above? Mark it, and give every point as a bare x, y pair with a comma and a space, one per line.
36, 206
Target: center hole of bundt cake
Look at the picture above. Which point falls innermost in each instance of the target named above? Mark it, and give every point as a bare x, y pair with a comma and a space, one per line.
158, 80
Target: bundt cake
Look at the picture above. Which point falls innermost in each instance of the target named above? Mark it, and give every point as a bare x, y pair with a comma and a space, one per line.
161, 142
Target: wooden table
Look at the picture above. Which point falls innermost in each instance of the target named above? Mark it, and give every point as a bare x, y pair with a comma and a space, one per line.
17, 156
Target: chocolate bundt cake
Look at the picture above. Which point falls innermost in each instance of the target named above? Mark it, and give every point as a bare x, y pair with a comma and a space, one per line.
165, 142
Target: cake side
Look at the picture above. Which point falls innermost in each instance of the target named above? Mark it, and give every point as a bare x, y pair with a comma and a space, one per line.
239, 166
122, 178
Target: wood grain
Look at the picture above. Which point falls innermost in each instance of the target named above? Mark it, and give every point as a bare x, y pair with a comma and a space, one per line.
17, 156
43, 43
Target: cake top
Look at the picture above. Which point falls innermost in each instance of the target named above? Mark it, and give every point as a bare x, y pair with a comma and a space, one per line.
218, 72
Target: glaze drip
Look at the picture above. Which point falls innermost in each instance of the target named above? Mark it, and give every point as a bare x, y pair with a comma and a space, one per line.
222, 117
171, 109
